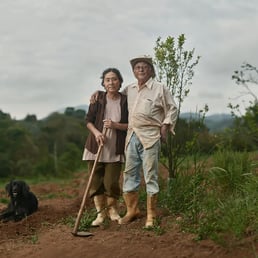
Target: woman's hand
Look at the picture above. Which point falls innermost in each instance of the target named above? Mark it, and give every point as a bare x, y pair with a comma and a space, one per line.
108, 123
100, 138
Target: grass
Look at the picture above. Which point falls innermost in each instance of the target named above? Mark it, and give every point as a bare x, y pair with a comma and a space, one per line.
33, 239
4, 200
85, 221
218, 203
57, 195
40, 179
157, 229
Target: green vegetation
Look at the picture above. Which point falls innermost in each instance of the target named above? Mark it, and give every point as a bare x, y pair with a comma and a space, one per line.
85, 222
34, 239
51, 147
212, 186
217, 202
175, 68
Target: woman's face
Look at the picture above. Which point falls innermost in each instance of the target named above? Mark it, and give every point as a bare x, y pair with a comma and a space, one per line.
111, 82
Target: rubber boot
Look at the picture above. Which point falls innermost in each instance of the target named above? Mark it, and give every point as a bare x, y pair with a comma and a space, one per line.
131, 201
151, 210
99, 201
112, 209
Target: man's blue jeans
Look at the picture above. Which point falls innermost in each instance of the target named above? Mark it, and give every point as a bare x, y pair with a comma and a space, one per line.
139, 159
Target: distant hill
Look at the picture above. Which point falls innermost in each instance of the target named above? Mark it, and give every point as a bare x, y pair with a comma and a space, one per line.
218, 122
215, 122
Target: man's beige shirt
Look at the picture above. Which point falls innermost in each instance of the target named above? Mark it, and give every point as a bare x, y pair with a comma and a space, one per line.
149, 109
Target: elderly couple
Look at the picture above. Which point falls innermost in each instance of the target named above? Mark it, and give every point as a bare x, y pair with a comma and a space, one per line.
135, 122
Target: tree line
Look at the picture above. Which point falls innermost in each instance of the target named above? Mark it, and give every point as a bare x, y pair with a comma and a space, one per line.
49, 147
53, 146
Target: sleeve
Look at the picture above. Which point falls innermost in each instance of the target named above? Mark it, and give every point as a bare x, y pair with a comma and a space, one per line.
170, 109
124, 91
91, 115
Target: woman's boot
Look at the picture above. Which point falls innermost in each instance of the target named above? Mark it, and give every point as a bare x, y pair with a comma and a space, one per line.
112, 208
99, 201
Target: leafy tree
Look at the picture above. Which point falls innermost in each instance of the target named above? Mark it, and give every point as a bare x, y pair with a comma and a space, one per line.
62, 130
52, 146
78, 113
4, 116
17, 148
175, 67
246, 125
69, 111
30, 118
71, 159
246, 77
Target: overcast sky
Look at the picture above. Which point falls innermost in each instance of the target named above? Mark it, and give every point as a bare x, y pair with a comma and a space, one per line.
52, 52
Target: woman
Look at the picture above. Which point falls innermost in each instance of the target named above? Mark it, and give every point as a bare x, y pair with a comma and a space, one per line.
108, 113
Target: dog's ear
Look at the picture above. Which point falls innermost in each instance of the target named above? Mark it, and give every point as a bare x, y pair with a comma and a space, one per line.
8, 188
25, 188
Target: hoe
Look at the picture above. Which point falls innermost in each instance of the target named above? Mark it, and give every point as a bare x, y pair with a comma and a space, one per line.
75, 230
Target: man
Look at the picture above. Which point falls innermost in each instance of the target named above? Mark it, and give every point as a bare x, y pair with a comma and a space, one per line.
152, 113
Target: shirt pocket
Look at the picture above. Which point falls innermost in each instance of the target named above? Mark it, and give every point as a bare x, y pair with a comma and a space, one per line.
145, 107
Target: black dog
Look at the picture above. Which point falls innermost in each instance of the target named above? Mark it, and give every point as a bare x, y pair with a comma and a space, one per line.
22, 202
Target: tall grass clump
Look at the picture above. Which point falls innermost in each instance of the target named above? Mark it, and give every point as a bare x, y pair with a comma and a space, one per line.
234, 184
185, 192
218, 202
230, 170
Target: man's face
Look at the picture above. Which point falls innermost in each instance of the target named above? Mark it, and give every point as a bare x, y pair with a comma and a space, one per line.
142, 72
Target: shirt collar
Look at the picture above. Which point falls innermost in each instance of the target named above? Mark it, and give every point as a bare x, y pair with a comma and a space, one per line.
148, 83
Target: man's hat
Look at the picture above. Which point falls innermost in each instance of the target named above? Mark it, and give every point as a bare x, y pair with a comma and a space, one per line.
144, 58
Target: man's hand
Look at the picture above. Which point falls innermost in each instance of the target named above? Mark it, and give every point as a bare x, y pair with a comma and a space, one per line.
94, 97
163, 132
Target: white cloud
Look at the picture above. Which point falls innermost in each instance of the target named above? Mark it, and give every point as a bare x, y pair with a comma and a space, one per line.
53, 52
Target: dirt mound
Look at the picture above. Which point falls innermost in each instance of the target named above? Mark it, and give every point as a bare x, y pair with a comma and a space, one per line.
44, 235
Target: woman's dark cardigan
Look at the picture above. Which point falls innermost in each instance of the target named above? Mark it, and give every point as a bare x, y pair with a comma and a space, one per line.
95, 115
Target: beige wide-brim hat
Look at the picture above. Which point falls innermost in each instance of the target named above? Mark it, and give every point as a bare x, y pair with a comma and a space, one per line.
144, 58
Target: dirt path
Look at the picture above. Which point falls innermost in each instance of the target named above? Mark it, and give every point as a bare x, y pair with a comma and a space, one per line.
44, 235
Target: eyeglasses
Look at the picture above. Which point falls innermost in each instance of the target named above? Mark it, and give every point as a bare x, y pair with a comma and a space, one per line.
138, 67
